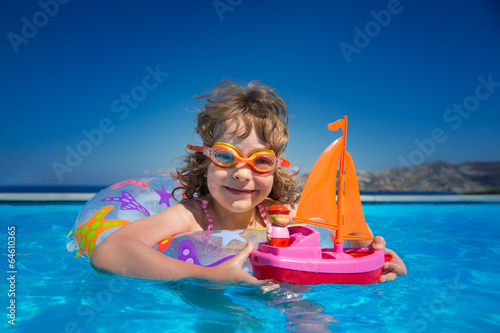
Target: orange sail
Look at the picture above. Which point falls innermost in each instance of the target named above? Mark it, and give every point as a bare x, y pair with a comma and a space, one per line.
318, 203
318, 198
354, 219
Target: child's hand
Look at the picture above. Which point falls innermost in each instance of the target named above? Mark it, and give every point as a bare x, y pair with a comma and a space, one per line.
231, 270
392, 268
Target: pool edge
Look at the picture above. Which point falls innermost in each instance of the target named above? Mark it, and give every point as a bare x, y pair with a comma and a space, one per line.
386, 198
45, 197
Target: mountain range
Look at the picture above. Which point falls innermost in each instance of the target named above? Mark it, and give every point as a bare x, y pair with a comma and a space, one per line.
442, 177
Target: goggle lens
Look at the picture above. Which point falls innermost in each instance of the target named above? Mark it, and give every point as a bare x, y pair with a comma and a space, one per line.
264, 163
223, 157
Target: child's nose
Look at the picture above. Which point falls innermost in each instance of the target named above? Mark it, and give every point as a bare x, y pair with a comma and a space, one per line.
242, 172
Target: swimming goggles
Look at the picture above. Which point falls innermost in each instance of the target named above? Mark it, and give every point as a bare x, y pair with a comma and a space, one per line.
226, 155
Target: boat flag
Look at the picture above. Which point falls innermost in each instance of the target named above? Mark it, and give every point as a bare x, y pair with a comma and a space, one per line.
336, 125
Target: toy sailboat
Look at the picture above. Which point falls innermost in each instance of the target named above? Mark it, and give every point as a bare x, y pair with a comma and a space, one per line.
304, 261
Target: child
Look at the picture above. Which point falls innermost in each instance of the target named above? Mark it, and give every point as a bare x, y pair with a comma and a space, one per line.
229, 183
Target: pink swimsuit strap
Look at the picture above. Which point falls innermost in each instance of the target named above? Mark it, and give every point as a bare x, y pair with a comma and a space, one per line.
204, 206
263, 213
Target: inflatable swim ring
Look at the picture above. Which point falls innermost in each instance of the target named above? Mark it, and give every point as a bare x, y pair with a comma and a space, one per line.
127, 201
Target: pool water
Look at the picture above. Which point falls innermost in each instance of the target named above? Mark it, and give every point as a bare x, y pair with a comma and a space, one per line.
451, 252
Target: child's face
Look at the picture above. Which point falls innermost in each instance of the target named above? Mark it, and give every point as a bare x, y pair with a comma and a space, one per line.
239, 188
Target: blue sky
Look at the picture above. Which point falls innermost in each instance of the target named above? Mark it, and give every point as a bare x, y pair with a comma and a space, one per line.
98, 92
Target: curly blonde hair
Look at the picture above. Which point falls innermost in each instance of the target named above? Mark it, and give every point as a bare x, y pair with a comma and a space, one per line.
255, 106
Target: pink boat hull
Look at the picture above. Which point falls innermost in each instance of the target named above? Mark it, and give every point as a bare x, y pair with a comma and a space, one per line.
302, 277
305, 262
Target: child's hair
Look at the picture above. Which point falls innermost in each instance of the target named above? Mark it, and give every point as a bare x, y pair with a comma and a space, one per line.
253, 107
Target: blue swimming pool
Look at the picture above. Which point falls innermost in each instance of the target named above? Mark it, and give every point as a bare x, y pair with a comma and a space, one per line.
451, 251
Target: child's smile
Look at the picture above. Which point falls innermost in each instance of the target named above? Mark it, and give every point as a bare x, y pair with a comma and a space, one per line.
238, 191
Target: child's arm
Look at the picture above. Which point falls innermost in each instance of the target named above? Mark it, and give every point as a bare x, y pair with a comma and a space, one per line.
392, 268
129, 251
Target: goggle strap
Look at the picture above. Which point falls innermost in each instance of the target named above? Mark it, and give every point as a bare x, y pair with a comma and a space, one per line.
284, 163
195, 148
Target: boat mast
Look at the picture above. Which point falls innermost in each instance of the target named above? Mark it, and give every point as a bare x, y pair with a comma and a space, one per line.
340, 194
